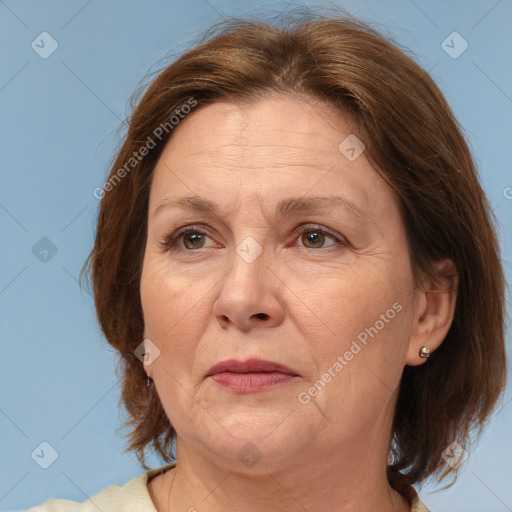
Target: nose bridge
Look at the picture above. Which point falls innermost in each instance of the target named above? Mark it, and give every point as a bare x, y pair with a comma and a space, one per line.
248, 267
250, 228
249, 292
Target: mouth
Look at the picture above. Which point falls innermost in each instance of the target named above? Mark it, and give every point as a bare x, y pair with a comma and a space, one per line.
251, 375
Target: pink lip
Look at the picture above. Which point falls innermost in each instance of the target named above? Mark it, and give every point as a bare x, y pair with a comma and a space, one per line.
251, 375
250, 366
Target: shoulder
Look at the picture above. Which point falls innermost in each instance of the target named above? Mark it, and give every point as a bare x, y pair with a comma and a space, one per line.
418, 506
411, 495
133, 496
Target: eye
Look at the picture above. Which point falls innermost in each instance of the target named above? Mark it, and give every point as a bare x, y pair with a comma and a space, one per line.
192, 239
314, 237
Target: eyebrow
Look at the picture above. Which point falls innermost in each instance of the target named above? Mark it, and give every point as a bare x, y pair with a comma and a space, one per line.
283, 208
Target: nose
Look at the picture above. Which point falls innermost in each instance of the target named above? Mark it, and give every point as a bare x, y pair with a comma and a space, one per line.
249, 295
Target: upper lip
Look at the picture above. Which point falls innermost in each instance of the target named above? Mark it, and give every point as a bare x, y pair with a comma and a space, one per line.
250, 365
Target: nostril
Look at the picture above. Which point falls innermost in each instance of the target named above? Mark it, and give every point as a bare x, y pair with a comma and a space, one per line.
263, 316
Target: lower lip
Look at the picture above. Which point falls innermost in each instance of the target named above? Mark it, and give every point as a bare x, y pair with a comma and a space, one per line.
250, 382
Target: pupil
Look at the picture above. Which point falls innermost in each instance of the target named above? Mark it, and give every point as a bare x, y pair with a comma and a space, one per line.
314, 237
194, 238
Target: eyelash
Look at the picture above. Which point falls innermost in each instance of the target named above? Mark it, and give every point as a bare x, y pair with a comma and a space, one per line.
168, 243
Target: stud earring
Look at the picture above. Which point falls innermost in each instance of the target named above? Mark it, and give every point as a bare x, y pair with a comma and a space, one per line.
425, 352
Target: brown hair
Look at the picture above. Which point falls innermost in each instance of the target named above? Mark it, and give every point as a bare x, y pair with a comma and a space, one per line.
414, 141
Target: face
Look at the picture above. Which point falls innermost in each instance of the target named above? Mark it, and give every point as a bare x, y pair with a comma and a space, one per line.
294, 252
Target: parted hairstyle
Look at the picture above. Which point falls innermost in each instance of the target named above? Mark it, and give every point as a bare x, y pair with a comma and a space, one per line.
412, 139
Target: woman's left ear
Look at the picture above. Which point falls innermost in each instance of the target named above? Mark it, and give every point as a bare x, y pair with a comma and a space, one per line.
435, 308
146, 353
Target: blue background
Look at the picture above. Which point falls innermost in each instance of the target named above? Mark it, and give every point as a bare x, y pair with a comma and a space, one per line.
59, 118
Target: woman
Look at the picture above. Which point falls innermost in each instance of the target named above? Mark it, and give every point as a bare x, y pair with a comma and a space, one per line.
297, 264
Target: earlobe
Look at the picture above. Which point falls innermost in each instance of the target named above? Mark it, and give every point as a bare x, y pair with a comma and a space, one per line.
434, 313
146, 355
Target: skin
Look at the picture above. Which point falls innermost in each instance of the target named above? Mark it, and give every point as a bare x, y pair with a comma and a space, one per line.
301, 303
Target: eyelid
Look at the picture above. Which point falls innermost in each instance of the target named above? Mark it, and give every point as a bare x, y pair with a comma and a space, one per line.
168, 241
339, 239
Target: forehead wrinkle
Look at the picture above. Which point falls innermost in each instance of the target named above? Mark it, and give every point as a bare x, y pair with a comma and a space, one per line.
284, 207
275, 156
263, 145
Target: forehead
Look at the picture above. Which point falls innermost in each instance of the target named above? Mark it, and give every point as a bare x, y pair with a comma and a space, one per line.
283, 126
288, 146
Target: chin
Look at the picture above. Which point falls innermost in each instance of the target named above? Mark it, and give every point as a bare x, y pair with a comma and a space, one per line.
257, 442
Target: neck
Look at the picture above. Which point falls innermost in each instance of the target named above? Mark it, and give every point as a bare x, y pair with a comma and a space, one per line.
204, 484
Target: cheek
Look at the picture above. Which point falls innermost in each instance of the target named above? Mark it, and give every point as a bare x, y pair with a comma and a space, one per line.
172, 312
352, 301
167, 296
358, 338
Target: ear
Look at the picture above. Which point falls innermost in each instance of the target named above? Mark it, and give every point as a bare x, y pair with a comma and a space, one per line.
434, 311
145, 365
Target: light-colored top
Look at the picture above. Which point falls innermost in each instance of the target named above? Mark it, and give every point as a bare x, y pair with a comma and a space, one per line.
133, 496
